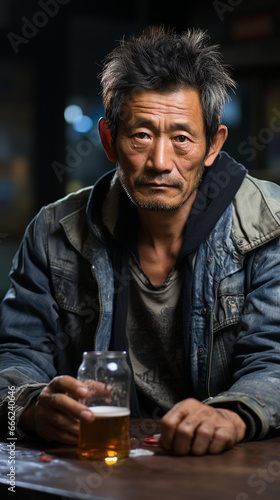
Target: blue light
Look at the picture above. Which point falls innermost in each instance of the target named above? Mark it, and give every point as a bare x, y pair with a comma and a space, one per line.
83, 124
72, 113
232, 114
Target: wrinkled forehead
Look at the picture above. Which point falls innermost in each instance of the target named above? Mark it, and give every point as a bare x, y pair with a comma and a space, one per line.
174, 106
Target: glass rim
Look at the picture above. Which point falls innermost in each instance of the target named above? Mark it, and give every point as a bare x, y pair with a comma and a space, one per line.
104, 354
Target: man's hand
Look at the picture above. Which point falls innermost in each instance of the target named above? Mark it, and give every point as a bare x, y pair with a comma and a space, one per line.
56, 413
191, 427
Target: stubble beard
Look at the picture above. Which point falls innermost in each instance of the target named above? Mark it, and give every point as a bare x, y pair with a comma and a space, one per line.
158, 206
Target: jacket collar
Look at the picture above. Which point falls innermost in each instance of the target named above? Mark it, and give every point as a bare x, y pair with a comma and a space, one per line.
256, 214
94, 224
77, 223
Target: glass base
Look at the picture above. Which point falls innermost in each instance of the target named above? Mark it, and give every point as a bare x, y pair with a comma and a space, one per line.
108, 456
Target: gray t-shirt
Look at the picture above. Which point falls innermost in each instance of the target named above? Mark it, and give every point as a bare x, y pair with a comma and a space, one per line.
155, 335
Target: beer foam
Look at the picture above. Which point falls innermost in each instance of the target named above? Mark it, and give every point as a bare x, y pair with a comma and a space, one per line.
110, 411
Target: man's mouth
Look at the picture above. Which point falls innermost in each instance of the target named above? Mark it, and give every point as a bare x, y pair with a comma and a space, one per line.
158, 185
154, 184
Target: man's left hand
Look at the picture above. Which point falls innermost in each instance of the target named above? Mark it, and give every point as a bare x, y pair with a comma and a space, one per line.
191, 427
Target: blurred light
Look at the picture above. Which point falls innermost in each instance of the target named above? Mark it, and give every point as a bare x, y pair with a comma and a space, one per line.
7, 191
112, 457
110, 460
112, 366
72, 113
83, 124
232, 114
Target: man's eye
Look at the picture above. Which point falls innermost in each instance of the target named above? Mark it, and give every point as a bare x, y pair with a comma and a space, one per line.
181, 138
141, 135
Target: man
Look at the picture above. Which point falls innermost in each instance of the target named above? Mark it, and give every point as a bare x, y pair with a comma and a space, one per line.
173, 257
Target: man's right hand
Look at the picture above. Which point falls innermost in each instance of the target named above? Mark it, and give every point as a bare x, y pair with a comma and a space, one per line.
56, 413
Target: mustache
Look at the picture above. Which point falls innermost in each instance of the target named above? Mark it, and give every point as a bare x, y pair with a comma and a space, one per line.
157, 179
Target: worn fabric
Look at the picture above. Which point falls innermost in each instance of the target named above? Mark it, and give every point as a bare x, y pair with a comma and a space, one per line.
155, 336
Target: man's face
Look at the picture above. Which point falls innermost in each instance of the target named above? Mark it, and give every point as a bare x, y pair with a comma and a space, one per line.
160, 148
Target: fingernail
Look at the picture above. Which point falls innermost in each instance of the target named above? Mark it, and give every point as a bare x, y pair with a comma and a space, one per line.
87, 415
82, 391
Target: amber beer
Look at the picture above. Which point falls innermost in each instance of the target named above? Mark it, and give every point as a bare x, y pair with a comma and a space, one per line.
107, 437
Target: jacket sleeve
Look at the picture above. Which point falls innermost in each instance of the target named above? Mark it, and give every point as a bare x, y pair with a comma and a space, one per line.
28, 322
255, 392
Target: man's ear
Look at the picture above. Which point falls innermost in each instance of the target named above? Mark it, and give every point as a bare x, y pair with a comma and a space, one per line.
106, 139
217, 144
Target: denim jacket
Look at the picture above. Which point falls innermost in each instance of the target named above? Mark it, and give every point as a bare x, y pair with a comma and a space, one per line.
61, 302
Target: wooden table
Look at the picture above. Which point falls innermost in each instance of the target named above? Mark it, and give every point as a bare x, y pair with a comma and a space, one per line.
249, 471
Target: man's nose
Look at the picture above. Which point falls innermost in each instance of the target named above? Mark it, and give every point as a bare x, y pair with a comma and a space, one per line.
159, 157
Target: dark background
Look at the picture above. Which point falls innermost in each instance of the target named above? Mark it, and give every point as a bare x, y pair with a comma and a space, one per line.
51, 52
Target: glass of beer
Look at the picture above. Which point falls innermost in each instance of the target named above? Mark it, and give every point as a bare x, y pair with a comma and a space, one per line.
107, 376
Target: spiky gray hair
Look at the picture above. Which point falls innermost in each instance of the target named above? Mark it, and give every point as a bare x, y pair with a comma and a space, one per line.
165, 61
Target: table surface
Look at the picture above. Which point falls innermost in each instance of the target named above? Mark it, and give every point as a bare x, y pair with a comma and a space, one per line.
249, 471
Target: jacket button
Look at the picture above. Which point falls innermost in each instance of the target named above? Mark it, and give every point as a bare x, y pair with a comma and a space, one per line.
200, 351
209, 261
241, 242
203, 311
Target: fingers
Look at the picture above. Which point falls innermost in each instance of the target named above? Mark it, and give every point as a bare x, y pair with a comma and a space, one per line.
213, 440
62, 403
193, 437
69, 385
169, 426
192, 427
59, 394
58, 412
97, 389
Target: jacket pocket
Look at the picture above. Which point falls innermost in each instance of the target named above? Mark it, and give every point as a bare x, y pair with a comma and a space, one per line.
228, 311
230, 302
75, 296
